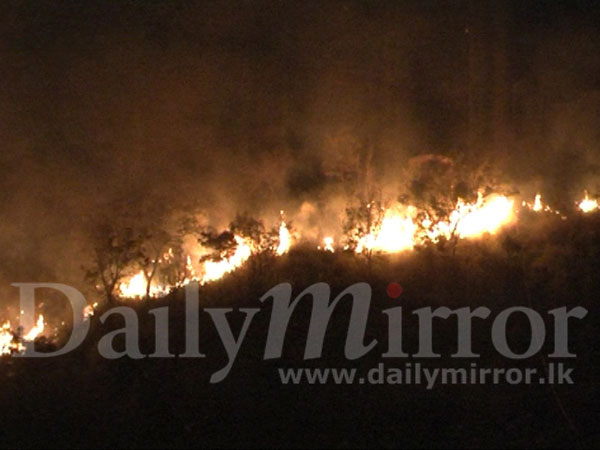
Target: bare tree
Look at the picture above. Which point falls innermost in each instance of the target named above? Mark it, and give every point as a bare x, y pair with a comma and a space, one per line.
114, 251
363, 221
154, 253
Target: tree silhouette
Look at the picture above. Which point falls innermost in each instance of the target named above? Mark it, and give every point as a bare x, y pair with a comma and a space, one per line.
155, 252
114, 251
435, 183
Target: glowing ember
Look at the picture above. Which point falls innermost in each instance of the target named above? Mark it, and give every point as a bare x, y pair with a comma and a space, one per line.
588, 205
89, 310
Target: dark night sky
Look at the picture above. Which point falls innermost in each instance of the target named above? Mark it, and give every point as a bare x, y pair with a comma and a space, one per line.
239, 104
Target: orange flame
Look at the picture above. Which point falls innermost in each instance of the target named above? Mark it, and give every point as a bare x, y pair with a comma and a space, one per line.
135, 287
213, 270
285, 239
587, 204
11, 343
328, 244
399, 231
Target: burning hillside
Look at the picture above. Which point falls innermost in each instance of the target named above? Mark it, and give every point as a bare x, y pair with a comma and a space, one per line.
398, 228
135, 263
177, 177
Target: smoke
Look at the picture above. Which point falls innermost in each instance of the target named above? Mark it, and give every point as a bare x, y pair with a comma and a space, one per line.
143, 109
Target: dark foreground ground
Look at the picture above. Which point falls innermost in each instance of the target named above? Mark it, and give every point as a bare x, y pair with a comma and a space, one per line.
82, 400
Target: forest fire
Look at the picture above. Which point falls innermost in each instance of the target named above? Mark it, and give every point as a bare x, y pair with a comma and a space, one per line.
342, 206
400, 228
135, 287
396, 233
400, 231
486, 216
213, 270
14, 341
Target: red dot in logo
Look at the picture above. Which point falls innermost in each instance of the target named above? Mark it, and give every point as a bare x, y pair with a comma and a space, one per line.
394, 290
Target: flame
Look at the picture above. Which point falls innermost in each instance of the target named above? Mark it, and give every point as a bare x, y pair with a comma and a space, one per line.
89, 310
11, 343
189, 267
285, 240
537, 203
399, 231
396, 233
135, 287
8, 344
485, 216
213, 270
539, 206
468, 220
328, 244
588, 205
37, 329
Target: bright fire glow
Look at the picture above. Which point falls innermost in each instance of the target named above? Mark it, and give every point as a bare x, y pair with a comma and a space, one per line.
7, 342
135, 287
537, 203
539, 206
213, 270
587, 204
36, 330
285, 240
328, 244
11, 343
89, 310
485, 216
399, 231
